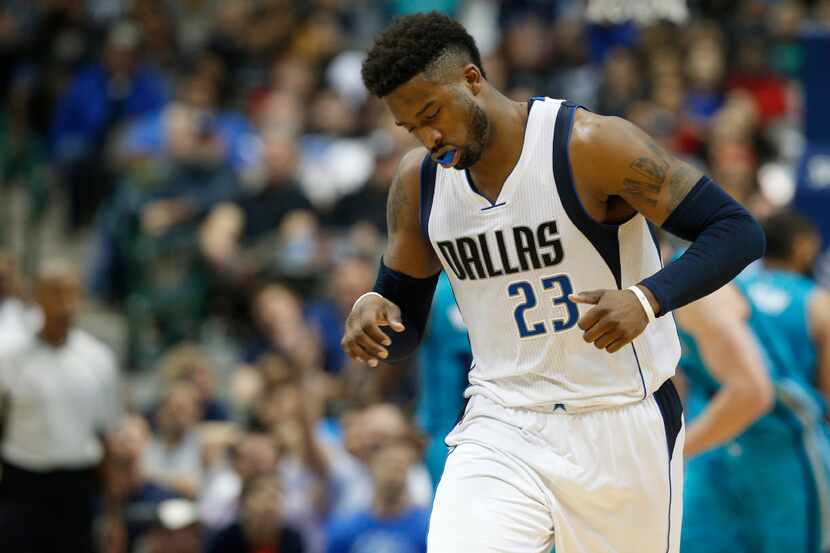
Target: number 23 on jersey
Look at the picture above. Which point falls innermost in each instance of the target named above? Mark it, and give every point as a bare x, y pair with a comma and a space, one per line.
557, 288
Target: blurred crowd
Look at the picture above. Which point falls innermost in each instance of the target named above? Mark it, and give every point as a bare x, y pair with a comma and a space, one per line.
228, 173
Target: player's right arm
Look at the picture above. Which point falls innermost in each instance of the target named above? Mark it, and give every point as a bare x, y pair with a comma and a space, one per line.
406, 280
819, 318
728, 348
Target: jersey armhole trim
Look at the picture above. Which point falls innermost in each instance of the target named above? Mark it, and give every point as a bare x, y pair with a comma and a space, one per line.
604, 237
429, 170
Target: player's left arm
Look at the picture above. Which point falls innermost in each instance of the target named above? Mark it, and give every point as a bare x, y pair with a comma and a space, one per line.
819, 318
611, 157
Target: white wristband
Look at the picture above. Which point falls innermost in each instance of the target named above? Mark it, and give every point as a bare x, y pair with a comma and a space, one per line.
643, 301
363, 296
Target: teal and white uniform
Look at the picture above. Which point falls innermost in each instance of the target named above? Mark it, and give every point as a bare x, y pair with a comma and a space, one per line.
767, 490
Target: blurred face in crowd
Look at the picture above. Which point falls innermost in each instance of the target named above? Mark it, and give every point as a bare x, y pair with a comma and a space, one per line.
621, 74
365, 430
389, 467
125, 462
121, 49
58, 293
445, 112
199, 91
526, 44
350, 279
705, 64
293, 75
191, 136
179, 412
281, 157
332, 115
805, 250
260, 509
277, 308
255, 456
283, 111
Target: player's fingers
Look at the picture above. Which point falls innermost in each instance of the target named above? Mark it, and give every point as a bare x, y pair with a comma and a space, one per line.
375, 333
589, 297
362, 355
617, 345
597, 330
391, 316
371, 347
608, 338
590, 318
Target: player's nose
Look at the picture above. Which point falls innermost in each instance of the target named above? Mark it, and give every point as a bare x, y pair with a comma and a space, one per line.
431, 138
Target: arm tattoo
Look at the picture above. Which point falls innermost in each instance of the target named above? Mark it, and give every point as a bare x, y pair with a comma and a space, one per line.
682, 180
650, 169
643, 191
396, 205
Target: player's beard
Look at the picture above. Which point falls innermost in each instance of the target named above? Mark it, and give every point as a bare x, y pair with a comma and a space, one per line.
478, 129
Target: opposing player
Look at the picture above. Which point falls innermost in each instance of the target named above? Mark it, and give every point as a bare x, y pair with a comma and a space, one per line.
756, 353
539, 214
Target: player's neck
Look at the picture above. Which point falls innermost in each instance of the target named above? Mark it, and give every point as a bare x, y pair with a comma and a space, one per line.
508, 120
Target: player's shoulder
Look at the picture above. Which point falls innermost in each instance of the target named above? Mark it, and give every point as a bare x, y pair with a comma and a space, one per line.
590, 128
409, 168
402, 204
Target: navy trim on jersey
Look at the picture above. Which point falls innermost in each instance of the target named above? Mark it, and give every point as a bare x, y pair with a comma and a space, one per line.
489, 207
473, 187
604, 237
652, 230
671, 493
428, 171
640, 369
671, 410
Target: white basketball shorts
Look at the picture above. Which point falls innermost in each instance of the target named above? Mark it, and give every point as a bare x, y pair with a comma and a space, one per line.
522, 481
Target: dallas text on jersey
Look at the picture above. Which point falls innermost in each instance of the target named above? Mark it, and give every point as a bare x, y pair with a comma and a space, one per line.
470, 258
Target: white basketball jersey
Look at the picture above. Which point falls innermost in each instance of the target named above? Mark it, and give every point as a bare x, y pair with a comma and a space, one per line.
513, 262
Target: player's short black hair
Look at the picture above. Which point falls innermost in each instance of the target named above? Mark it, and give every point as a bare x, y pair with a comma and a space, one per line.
781, 229
409, 45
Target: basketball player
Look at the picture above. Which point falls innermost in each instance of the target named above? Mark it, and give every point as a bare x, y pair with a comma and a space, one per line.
759, 481
539, 214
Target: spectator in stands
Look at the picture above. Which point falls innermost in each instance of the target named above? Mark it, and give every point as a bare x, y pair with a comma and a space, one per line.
393, 524
278, 313
350, 278
352, 488
258, 529
253, 456
62, 402
100, 98
129, 489
190, 363
174, 456
368, 202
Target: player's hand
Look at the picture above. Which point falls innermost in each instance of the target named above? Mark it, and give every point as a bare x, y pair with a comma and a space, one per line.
615, 320
363, 339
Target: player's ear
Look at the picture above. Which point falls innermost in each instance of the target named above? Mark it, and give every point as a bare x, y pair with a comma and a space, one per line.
472, 76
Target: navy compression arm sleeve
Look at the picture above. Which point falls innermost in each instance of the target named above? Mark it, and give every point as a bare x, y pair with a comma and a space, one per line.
414, 297
725, 239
